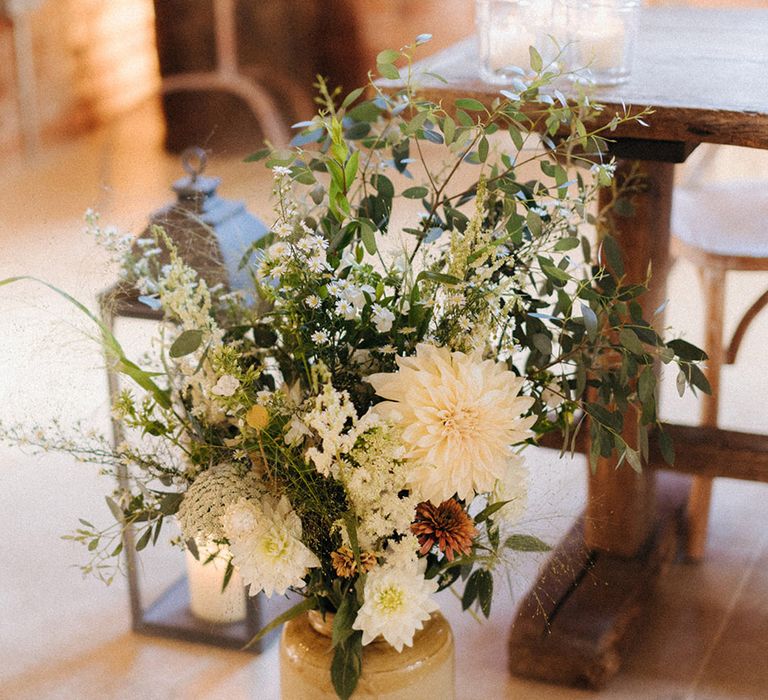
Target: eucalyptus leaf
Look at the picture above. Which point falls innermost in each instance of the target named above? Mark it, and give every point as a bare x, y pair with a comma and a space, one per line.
368, 236
143, 541
352, 97
526, 543
415, 192
613, 255
186, 343
470, 104
590, 320
387, 70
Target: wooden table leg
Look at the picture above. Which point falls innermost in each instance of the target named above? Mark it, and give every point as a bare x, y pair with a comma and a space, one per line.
577, 621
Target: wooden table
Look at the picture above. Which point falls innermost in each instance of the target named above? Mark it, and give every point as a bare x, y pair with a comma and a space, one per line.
705, 72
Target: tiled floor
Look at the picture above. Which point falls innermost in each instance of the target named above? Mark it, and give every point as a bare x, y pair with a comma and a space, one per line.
64, 637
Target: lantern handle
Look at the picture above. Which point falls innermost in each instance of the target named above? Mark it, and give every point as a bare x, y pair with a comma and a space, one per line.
194, 160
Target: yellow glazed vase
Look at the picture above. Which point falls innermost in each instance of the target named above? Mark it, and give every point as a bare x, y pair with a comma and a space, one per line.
424, 670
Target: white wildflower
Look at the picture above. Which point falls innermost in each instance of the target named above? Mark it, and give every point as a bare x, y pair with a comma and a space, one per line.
281, 171
278, 250
282, 229
320, 337
346, 310
382, 318
552, 395
317, 264
312, 301
374, 486
226, 386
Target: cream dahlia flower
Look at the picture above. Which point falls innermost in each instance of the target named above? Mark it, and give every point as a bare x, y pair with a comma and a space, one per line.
396, 602
265, 540
459, 417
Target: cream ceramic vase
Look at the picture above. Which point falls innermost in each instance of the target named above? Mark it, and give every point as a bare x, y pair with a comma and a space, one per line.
424, 670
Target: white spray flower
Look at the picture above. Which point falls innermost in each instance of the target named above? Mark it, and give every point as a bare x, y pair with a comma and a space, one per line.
382, 318
226, 386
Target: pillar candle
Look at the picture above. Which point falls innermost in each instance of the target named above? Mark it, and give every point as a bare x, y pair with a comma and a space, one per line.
206, 599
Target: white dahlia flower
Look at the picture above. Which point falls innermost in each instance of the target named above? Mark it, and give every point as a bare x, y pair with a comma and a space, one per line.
396, 602
265, 540
459, 417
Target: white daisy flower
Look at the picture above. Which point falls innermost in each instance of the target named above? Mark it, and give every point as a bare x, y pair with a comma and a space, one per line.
312, 301
283, 229
317, 264
279, 249
281, 171
346, 310
320, 337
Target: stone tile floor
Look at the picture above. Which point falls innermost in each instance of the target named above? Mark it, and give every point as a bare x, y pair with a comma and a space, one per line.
64, 637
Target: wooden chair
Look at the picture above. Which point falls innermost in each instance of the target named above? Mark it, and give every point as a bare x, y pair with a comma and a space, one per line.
719, 227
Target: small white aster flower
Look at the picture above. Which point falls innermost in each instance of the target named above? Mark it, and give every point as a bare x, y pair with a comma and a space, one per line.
465, 324
283, 229
281, 171
317, 264
312, 301
278, 250
226, 386
346, 310
320, 337
382, 318
407, 330
396, 603
280, 269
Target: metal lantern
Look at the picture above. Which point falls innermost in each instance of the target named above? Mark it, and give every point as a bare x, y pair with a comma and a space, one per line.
211, 235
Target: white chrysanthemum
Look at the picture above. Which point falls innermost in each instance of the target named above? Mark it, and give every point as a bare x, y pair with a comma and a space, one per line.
396, 602
265, 540
459, 415
209, 495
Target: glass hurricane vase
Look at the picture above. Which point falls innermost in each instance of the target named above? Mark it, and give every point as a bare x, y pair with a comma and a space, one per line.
424, 670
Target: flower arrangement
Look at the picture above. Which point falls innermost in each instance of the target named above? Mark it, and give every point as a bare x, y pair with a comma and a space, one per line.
354, 435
